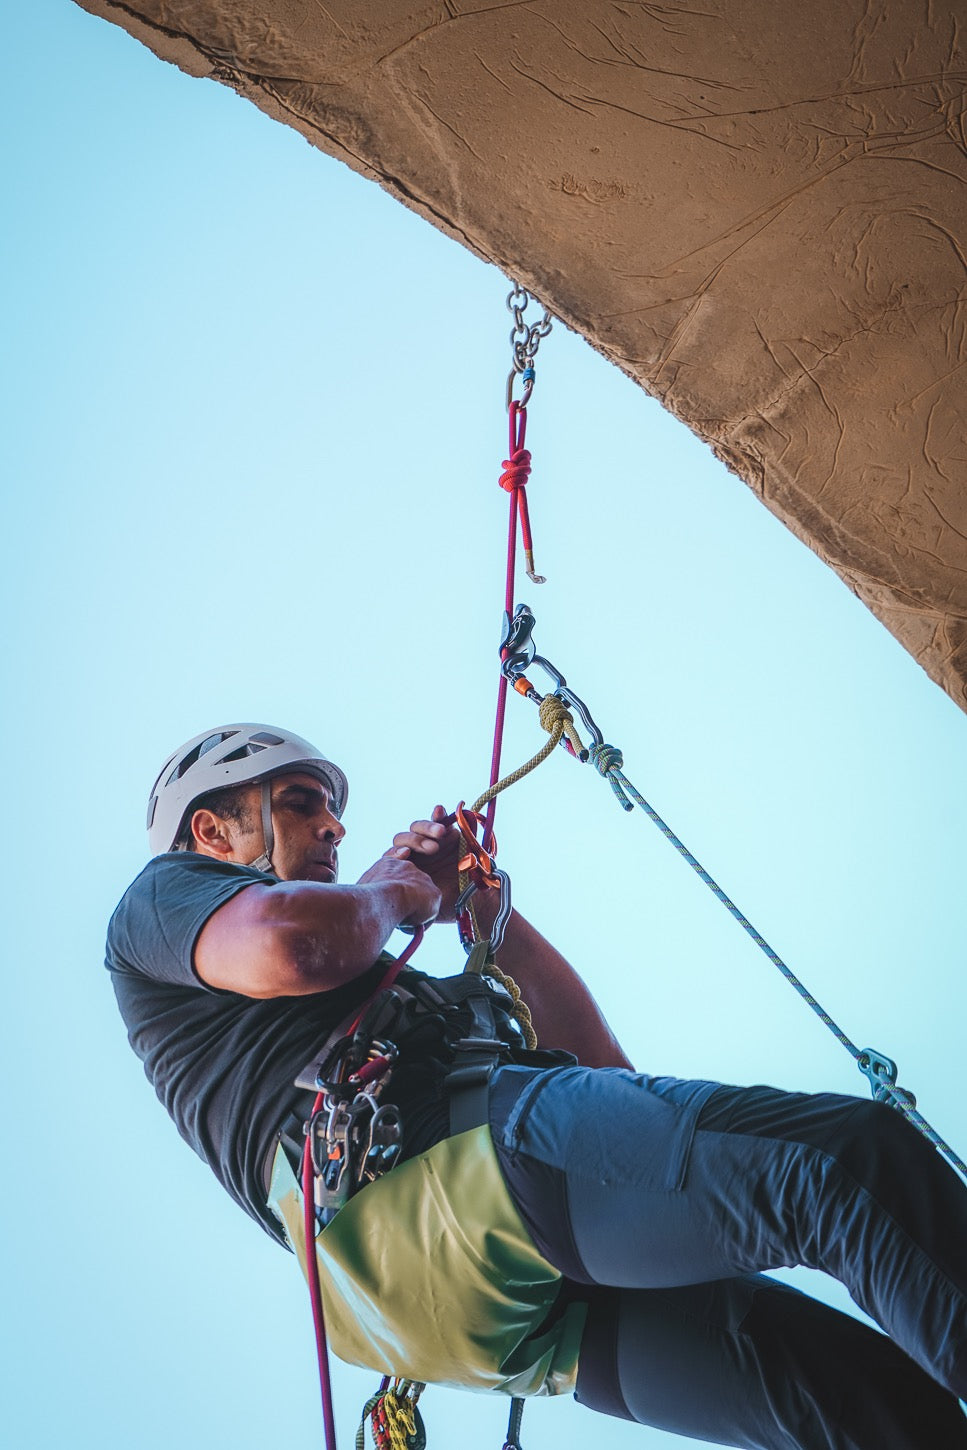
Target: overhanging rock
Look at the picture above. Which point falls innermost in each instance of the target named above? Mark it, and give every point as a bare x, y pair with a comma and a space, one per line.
757, 211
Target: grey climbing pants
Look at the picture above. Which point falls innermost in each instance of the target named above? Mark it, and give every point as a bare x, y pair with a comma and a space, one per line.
662, 1202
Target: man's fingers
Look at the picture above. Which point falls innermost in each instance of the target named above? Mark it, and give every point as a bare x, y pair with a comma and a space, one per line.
422, 836
429, 840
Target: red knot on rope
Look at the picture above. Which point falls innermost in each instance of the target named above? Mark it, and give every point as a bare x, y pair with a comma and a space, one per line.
517, 470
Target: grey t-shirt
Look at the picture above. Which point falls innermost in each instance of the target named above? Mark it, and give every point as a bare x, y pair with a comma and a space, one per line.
222, 1064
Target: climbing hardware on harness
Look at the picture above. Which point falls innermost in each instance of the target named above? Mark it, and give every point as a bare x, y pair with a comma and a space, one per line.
393, 1417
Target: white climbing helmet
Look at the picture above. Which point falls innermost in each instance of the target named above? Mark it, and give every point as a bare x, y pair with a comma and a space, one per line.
234, 755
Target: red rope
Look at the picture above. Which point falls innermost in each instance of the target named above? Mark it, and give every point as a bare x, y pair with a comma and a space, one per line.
517, 469
315, 1291
309, 1216
514, 478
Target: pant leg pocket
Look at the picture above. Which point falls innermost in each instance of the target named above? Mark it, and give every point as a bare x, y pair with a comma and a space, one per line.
644, 1140
611, 1127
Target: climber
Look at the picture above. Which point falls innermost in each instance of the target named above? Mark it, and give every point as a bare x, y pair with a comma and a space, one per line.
636, 1215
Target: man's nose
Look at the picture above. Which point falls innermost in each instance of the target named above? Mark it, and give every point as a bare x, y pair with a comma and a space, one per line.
332, 828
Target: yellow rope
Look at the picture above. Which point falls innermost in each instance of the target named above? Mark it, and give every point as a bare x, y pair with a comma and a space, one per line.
392, 1416
520, 1009
400, 1418
557, 720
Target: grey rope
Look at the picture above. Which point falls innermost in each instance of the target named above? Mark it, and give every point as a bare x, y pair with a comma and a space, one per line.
880, 1071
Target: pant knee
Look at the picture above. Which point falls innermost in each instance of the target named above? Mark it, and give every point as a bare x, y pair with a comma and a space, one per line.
751, 1361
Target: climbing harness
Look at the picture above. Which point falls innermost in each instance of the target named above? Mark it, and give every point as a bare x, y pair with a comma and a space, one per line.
308, 1183
353, 1138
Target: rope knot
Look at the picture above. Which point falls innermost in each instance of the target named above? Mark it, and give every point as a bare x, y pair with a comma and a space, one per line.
553, 713
557, 720
608, 761
517, 470
607, 758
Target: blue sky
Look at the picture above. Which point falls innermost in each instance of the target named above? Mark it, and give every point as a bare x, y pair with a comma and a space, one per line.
253, 427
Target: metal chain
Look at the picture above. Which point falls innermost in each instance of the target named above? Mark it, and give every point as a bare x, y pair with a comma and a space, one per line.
525, 339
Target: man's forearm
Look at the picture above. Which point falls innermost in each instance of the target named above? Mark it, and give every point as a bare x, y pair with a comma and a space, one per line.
331, 934
293, 938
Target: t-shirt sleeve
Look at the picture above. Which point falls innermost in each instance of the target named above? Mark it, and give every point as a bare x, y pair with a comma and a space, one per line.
155, 927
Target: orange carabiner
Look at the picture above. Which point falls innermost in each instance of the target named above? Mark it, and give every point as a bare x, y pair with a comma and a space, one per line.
475, 859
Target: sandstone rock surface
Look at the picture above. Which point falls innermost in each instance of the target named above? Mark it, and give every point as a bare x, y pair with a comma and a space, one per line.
758, 211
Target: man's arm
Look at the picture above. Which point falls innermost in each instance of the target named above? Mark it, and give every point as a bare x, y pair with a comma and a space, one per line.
565, 1013
292, 938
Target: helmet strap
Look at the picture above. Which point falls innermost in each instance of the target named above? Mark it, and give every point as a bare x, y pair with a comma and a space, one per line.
264, 862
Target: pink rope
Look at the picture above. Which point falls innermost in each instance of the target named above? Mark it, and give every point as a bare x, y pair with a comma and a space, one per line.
309, 1217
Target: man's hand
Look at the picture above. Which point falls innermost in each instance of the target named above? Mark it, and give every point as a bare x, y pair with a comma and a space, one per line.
565, 1014
422, 895
435, 848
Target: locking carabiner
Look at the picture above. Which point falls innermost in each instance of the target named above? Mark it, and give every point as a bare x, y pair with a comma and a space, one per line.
518, 653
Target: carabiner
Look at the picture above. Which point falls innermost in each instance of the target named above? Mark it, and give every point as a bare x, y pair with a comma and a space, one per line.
503, 913
517, 648
463, 900
576, 703
518, 652
527, 376
476, 857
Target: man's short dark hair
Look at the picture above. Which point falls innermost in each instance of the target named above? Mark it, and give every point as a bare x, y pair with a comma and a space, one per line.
230, 804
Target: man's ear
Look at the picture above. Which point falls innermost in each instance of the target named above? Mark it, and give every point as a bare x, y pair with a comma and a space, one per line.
210, 834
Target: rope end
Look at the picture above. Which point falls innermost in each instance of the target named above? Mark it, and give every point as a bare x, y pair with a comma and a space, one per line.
574, 740
534, 578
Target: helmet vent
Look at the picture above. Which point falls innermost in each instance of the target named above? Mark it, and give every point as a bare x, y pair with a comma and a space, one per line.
195, 755
252, 746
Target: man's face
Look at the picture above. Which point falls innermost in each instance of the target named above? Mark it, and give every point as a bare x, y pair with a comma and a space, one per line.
307, 833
